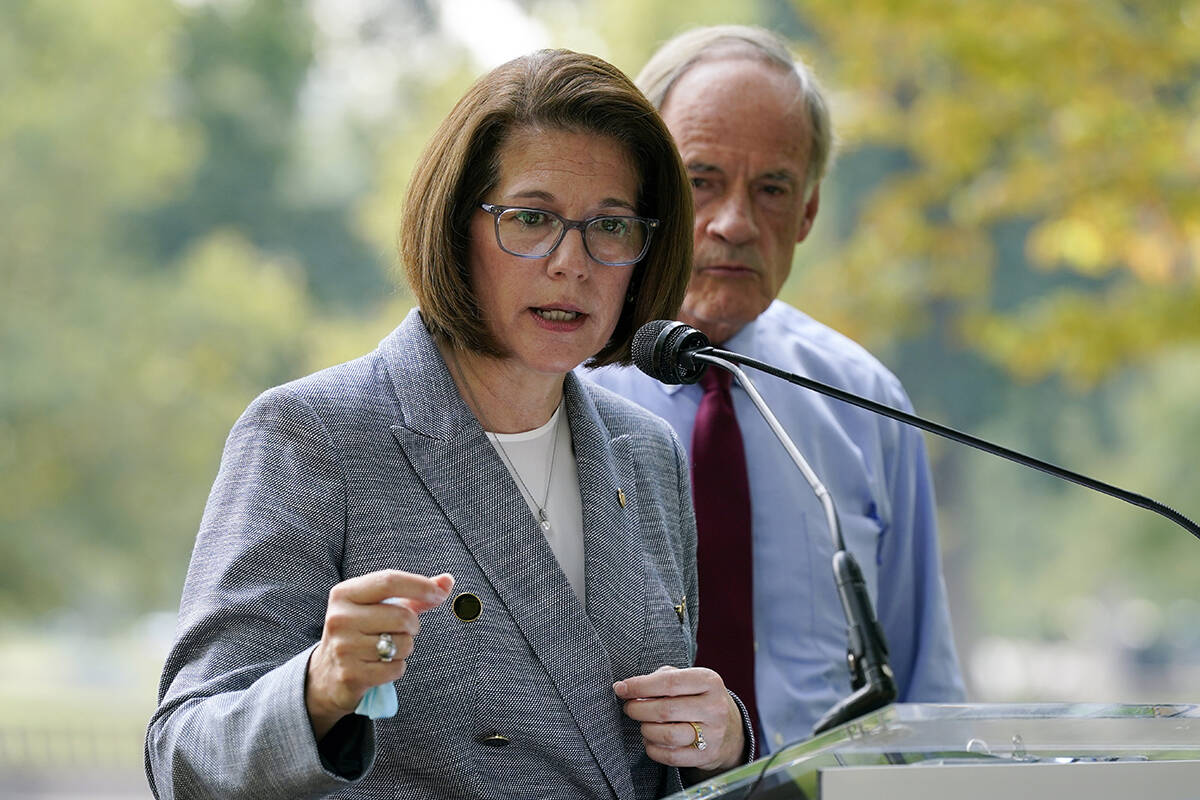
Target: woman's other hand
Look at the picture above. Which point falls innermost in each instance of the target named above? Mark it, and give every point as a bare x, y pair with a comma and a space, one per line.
682, 709
347, 661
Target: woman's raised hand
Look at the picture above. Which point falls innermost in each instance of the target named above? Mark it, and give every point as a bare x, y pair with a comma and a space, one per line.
354, 653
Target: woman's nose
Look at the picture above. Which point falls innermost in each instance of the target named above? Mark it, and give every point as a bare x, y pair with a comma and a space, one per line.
570, 259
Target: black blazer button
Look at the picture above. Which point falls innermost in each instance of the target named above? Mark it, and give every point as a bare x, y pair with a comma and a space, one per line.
493, 740
467, 607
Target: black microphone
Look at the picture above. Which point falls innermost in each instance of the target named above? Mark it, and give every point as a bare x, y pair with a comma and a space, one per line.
673, 352
664, 350
687, 351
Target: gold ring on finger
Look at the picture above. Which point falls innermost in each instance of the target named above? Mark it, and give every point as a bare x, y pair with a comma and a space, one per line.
698, 742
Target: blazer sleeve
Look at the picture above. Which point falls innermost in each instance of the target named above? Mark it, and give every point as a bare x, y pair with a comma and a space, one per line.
232, 720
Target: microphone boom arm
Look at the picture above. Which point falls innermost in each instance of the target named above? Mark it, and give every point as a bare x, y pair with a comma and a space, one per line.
963, 438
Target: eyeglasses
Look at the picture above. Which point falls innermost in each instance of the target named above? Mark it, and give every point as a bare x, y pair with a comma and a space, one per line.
534, 233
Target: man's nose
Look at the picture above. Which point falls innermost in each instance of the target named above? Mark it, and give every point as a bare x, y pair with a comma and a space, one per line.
732, 219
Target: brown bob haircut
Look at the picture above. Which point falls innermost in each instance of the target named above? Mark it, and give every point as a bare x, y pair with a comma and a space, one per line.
546, 90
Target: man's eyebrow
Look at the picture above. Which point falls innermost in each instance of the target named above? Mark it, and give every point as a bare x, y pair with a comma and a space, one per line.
785, 175
782, 175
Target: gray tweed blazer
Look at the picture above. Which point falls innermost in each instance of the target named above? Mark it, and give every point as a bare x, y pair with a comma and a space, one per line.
378, 463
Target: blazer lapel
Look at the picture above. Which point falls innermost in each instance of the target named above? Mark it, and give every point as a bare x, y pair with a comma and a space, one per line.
615, 570
463, 473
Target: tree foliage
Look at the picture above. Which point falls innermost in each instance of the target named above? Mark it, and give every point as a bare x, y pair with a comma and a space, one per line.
1076, 120
120, 379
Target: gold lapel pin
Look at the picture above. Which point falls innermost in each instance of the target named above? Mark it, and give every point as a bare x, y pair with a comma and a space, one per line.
621, 497
681, 609
494, 740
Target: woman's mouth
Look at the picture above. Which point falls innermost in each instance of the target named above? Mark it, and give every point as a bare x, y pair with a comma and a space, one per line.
557, 314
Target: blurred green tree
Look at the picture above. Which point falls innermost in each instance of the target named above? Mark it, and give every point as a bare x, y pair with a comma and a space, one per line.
239, 81
83, 140
1065, 132
120, 378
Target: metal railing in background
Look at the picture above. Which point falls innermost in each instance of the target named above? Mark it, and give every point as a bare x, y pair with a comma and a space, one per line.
58, 760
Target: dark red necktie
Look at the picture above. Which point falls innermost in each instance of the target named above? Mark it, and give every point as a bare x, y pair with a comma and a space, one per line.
721, 491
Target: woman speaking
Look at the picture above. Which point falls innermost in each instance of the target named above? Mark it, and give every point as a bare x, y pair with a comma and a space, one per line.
450, 569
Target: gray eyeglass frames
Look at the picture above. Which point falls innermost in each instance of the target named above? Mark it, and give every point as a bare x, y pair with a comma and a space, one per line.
615, 241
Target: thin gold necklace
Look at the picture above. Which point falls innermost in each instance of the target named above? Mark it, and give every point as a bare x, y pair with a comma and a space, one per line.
542, 516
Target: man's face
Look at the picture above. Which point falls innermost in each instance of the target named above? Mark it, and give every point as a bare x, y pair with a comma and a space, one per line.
745, 139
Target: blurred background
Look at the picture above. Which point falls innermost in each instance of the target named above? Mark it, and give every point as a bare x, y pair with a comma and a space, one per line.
198, 200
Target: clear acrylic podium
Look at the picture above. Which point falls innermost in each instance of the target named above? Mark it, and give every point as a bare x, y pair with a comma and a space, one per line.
909, 750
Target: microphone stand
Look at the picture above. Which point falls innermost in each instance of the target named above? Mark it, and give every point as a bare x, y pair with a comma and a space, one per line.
871, 676
673, 353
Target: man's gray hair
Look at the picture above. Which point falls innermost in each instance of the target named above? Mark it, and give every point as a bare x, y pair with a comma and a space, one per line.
721, 42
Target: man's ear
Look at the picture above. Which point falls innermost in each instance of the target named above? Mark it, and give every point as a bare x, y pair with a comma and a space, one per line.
810, 214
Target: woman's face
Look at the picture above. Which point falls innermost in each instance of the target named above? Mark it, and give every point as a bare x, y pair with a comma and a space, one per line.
551, 314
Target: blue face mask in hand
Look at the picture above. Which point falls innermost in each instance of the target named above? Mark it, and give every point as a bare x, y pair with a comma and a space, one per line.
379, 702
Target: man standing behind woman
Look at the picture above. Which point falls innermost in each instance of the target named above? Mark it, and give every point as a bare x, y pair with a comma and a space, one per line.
455, 517
753, 128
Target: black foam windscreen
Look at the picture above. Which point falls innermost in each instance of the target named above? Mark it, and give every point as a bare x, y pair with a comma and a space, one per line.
663, 350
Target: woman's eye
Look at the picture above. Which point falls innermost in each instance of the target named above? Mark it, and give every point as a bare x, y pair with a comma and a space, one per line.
613, 226
530, 218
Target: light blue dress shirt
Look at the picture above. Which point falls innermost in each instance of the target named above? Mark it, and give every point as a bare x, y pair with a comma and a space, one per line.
878, 474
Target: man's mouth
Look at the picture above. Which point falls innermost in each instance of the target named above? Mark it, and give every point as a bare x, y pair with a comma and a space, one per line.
728, 269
